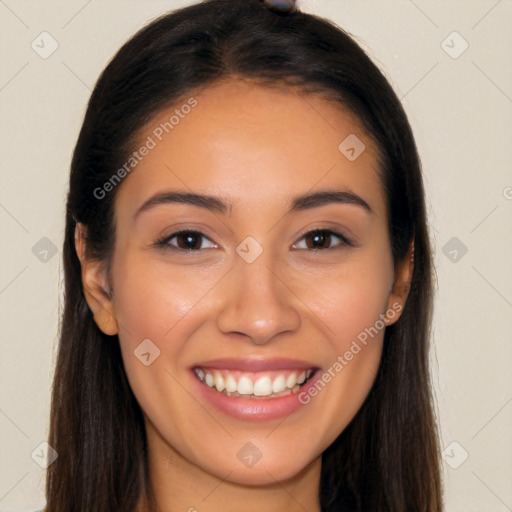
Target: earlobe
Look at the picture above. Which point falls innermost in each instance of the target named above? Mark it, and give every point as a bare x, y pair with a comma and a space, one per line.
95, 285
401, 287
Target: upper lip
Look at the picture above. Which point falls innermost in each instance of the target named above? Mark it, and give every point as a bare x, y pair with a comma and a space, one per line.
256, 365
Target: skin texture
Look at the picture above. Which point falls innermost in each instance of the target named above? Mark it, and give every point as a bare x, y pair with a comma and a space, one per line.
257, 148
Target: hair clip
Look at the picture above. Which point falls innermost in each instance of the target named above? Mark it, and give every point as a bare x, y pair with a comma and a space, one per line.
281, 6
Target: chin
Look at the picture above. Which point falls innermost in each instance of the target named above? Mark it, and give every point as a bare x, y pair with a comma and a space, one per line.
266, 471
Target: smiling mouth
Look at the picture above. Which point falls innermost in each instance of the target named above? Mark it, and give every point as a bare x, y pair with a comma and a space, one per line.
257, 385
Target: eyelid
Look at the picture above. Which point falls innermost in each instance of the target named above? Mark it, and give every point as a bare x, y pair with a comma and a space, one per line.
345, 240
163, 242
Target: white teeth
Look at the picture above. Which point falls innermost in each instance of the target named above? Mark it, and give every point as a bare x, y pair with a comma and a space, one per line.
263, 386
279, 384
219, 381
245, 386
223, 381
231, 384
291, 380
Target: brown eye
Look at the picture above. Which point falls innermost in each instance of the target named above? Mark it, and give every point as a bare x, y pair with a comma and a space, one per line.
323, 238
186, 240
190, 241
319, 240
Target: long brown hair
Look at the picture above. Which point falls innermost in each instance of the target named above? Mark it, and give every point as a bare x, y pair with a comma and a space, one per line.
387, 459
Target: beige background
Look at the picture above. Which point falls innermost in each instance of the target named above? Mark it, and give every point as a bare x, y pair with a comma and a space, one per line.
461, 111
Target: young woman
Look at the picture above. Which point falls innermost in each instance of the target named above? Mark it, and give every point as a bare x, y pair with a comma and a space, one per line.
247, 278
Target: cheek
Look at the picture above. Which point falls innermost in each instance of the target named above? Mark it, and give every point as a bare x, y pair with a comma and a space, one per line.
353, 297
350, 309
153, 309
157, 308
353, 312
151, 299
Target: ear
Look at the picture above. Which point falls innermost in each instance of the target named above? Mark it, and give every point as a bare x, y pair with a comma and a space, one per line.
401, 287
95, 284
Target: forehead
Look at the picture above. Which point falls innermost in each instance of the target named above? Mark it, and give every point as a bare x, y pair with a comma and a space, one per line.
252, 144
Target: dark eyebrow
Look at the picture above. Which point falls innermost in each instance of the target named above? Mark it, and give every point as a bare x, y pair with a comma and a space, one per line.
325, 197
216, 204
203, 201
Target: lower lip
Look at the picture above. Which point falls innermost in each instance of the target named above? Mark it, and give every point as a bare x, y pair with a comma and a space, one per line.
254, 409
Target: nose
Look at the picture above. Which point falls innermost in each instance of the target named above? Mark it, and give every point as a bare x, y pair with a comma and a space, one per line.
257, 302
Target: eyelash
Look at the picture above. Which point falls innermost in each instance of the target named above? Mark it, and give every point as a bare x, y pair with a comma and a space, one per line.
163, 242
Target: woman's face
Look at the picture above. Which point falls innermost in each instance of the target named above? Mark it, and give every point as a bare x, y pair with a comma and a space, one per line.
283, 271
